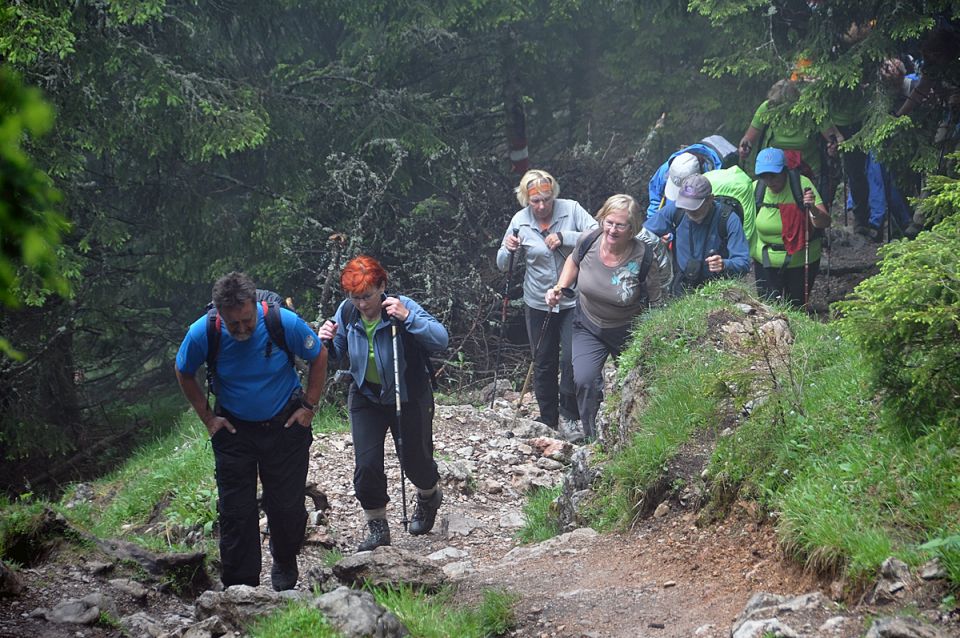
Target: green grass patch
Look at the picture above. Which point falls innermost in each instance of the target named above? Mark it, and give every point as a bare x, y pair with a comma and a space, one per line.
433, 616
849, 485
540, 521
296, 619
683, 386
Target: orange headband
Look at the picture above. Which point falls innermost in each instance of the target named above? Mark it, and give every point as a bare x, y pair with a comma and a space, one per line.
540, 187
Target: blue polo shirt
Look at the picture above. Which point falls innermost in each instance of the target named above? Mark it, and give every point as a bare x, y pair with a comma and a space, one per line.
249, 384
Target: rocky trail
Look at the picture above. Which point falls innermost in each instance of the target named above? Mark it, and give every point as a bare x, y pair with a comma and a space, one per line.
667, 576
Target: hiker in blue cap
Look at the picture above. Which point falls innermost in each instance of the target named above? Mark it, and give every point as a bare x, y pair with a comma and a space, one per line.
787, 237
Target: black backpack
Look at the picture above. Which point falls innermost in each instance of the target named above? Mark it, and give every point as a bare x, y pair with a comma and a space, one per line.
271, 303
727, 206
419, 366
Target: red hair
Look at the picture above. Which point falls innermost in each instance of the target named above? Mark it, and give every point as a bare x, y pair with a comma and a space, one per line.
361, 273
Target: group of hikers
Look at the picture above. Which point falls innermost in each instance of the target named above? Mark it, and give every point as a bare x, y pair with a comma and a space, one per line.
586, 278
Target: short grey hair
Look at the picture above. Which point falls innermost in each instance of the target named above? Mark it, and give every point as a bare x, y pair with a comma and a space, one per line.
233, 290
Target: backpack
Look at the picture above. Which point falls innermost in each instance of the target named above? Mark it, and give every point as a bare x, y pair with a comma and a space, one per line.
271, 303
727, 205
419, 366
793, 178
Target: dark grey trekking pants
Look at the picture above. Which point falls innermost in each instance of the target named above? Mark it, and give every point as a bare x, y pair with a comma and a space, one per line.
280, 456
591, 347
369, 422
553, 356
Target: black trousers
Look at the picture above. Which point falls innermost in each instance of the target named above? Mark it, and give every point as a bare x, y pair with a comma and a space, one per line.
280, 456
855, 167
554, 355
369, 423
786, 284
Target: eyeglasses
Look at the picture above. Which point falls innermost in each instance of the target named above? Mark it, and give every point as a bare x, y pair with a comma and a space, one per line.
614, 226
362, 297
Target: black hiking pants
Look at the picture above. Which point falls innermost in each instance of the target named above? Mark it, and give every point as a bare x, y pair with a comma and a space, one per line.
554, 355
369, 423
786, 283
280, 456
855, 168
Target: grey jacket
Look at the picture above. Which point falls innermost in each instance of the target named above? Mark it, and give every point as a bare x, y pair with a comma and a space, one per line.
543, 266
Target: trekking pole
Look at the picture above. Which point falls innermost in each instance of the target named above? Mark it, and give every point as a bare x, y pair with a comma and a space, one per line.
806, 254
536, 349
394, 323
503, 320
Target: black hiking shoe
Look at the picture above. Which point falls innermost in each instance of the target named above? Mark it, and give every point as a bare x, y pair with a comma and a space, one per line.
426, 513
379, 535
284, 574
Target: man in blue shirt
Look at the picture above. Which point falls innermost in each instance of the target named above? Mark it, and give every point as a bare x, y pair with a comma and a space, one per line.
260, 424
708, 239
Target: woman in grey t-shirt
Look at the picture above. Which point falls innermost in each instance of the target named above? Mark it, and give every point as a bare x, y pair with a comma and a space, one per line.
617, 279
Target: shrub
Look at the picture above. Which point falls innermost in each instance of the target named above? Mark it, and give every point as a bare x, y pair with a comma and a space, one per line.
907, 322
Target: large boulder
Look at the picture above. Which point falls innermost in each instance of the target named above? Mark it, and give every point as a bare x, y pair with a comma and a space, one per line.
356, 614
389, 566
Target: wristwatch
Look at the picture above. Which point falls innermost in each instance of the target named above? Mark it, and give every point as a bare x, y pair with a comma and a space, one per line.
307, 405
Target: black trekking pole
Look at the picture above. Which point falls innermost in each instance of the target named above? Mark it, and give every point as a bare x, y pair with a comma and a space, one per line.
503, 320
396, 385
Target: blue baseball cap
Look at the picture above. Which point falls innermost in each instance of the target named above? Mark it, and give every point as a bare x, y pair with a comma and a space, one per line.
770, 160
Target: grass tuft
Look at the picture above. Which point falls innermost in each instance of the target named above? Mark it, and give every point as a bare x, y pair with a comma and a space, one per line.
540, 521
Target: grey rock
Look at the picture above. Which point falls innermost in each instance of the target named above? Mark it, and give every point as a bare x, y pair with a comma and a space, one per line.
447, 553
765, 627
512, 520
457, 524
130, 587
10, 583
83, 611
458, 569
140, 625
211, 627
902, 627
356, 614
321, 578
895, 569
389, 566
933, 570
239, 604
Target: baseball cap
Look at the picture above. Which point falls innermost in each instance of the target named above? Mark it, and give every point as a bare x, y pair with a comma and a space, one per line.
682, 166
694, 190
770, 160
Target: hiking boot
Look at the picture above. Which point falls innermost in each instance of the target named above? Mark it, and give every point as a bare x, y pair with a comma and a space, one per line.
379, 535
571, 430
426, 513
284, 574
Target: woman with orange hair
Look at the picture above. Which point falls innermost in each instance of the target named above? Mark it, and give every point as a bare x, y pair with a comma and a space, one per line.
361, 330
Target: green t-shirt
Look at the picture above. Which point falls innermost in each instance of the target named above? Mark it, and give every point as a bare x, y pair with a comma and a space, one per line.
769, 227
788, 137
371, 375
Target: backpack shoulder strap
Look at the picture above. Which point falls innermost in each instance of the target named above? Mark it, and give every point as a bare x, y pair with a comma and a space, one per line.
793, 176
645, 263
587, 243
759, 193
213, 345
271, 316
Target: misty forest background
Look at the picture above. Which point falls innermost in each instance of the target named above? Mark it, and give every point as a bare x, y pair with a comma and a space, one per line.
168, 142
